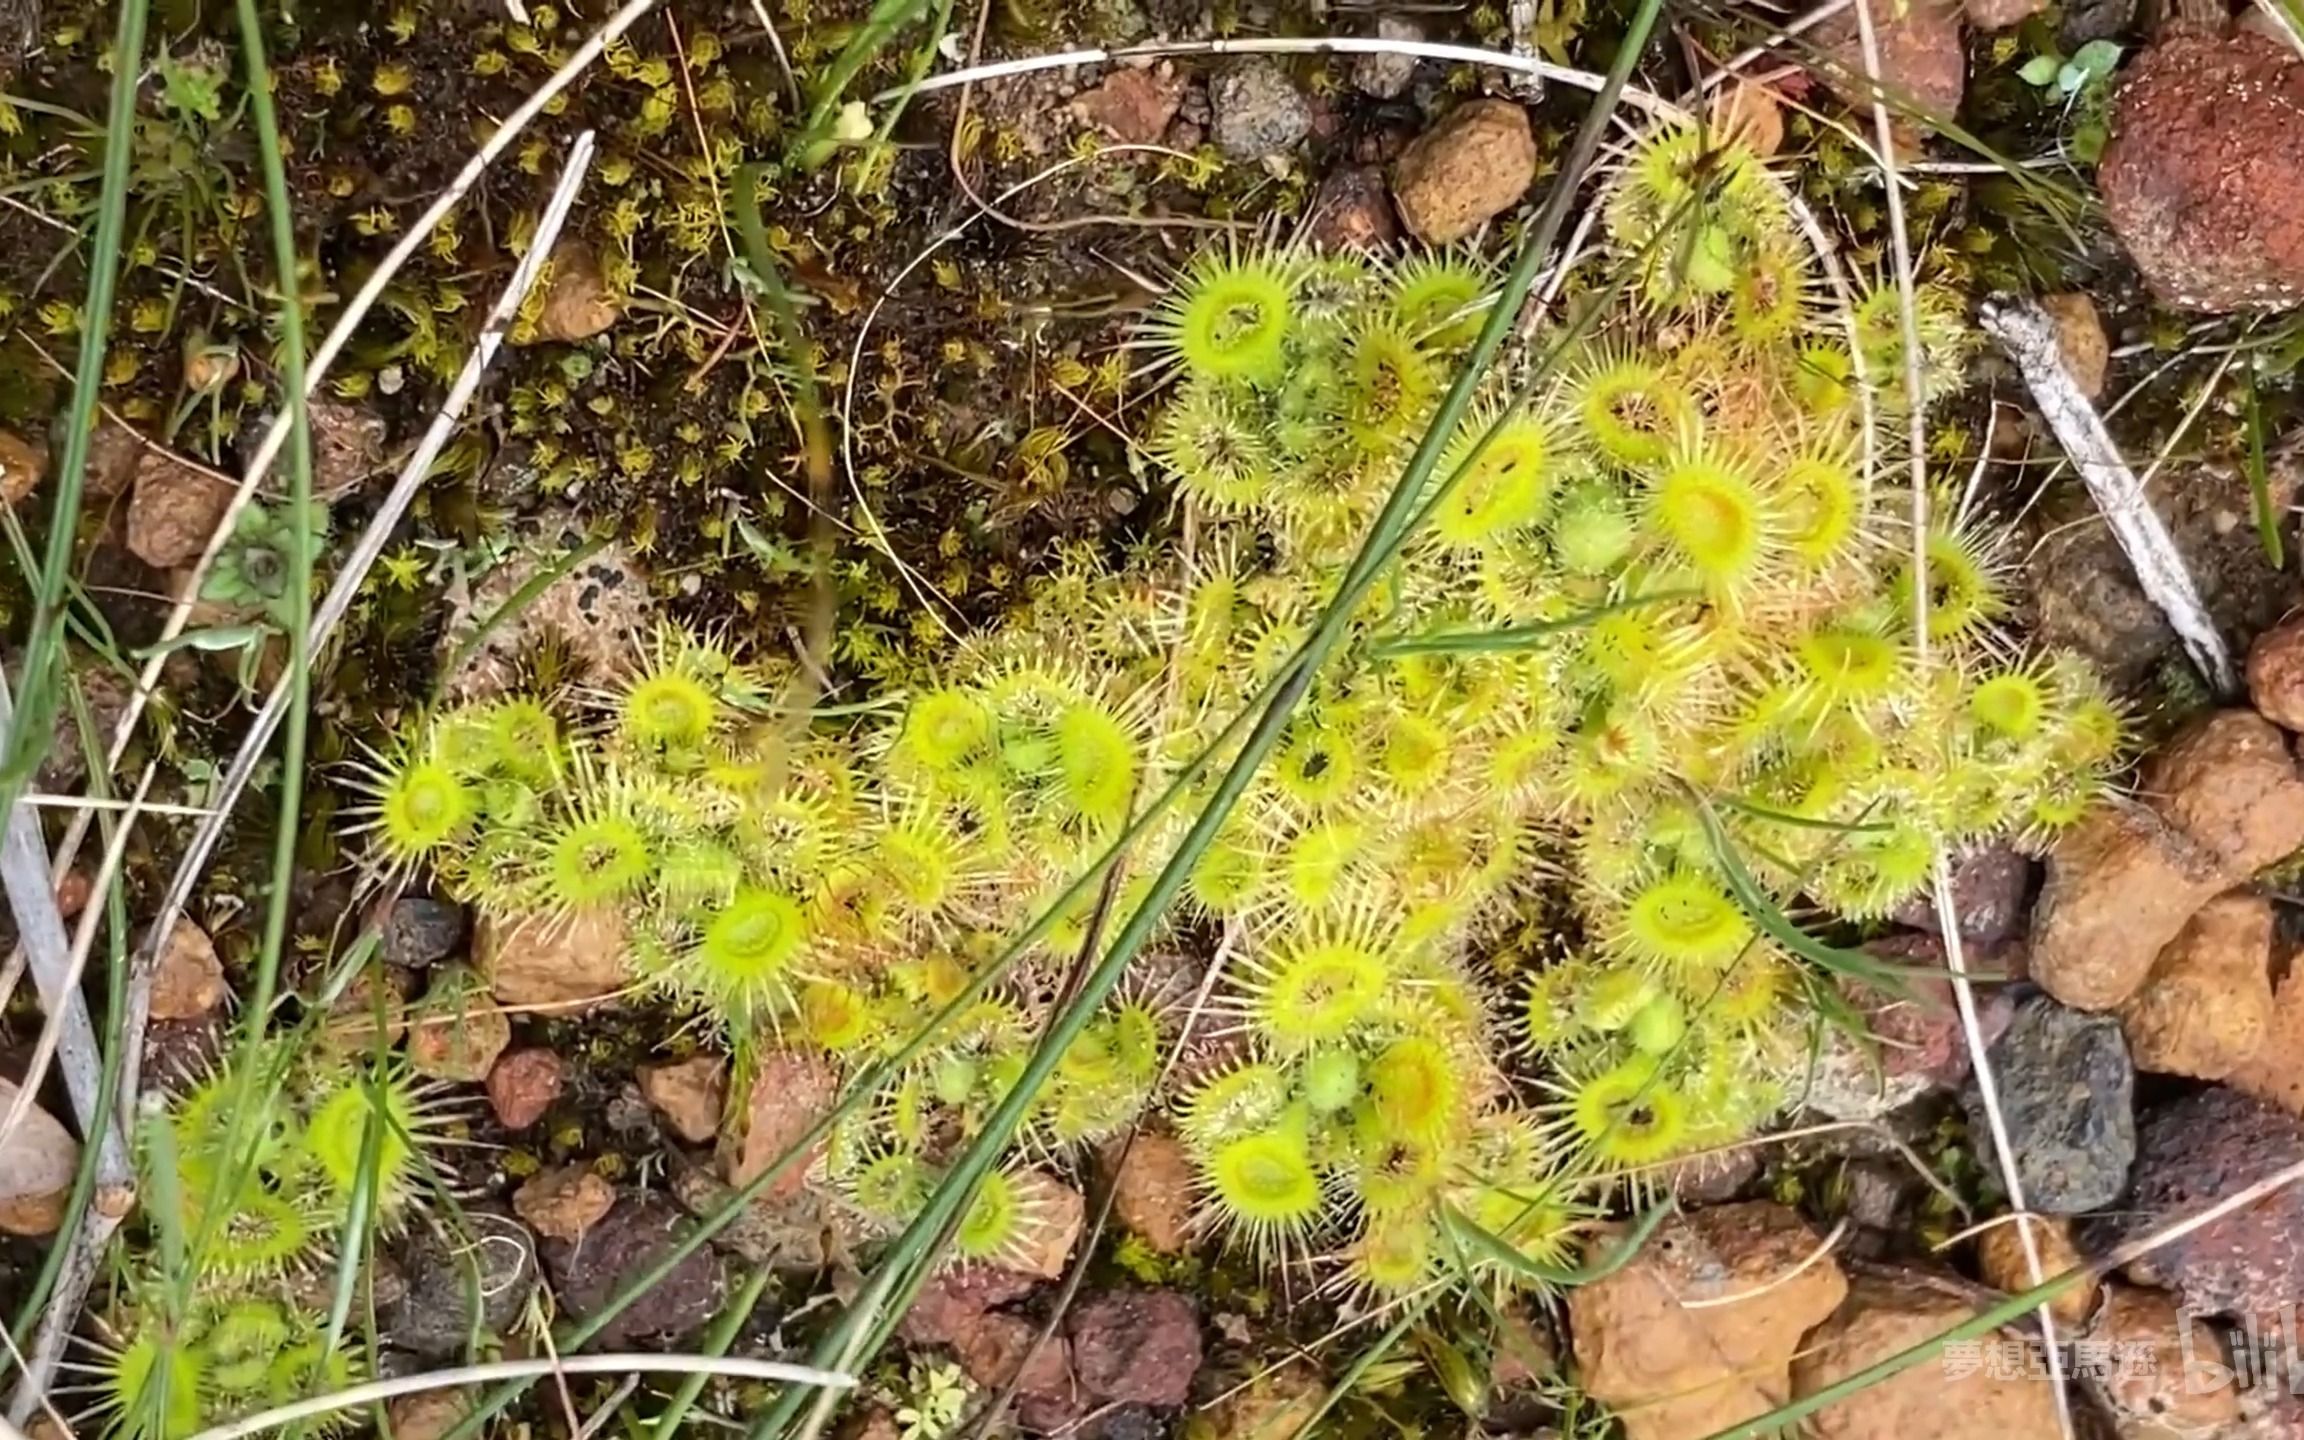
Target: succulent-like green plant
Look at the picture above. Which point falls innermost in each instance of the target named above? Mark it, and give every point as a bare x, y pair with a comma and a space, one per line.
252, 568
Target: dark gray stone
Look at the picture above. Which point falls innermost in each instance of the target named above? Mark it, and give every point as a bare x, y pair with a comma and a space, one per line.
1876, 1192
2067, 1093
459, 1283
420, 931
630, 1239
1384, 74
1258, 110
2086, 20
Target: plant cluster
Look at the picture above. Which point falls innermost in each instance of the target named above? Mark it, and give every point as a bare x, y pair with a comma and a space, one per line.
249, 1179
1659, 642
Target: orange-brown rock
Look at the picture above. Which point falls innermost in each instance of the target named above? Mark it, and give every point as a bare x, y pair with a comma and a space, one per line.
2136, 1321
2207, 1004
2229, 783
190, 980
2121, 884
559, 964
689, 1095
1675, 1369
2275, 1074
1152, 1189
2276, 673
1882, 1317
2001, 1260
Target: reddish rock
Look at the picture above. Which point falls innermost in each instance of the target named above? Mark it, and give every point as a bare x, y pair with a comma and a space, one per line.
2276, 673
564, 1202
174, 510
1001, 1348
2121, 884
1134, 103
690, 1095
1923, 61
790, 1093
1919, 1042
1671, 1370
2205, 1010
1881, 1317
2230, 785
1352, 211
72, 893
955, 1299
190, 980
1136, 1346
2192, 1152
1991, 892
1470, 167
2203, 180
522, 1085
1152, 1189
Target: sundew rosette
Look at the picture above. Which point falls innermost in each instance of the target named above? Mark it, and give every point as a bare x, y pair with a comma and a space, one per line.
1702, 624
1654, 652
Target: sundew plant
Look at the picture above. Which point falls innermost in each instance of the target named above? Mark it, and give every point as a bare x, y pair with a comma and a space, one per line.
1656, 653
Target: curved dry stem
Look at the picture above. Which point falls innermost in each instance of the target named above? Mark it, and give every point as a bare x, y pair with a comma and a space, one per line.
724, 1366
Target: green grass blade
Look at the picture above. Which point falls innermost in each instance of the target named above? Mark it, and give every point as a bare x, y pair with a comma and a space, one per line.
716, 1343
1519, 637
256, 1017
815, 143
1492, 1248
37, 692
1402, 509
1784, 1418
1801, 822
2260, 477
1763, 910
